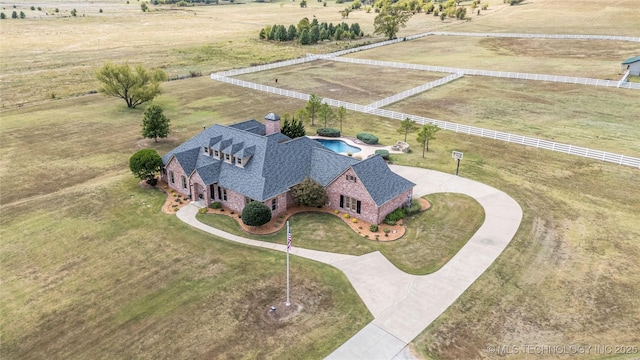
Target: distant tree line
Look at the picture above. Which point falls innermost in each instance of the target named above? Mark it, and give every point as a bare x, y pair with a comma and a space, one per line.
307, 33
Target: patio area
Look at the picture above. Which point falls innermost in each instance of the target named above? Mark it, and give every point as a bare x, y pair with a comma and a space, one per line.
367, 150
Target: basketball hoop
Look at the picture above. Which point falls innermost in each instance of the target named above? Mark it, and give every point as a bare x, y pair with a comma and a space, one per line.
457, 155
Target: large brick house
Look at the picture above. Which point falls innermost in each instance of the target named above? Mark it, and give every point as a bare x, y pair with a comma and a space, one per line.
251, 161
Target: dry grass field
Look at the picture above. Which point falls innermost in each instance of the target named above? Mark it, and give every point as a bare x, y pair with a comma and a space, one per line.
596, 118
90, 268
597, 59
346, 82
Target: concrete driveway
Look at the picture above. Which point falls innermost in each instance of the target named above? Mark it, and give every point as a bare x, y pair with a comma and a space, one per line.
403, 305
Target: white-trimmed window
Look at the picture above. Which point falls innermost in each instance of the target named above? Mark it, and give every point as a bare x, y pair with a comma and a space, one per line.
216, 154
352, 178
349, 203
227, 158
239, 161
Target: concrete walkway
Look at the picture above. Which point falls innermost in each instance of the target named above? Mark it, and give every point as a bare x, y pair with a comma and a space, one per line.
403, 305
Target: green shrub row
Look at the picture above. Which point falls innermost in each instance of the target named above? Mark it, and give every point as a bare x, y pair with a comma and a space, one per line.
396, 215
329, 132
367, 138
216, 205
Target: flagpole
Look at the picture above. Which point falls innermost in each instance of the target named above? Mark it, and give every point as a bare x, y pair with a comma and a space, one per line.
288, 247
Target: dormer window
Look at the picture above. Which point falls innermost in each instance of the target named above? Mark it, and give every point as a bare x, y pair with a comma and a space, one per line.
239, 162
206, 150
216, 154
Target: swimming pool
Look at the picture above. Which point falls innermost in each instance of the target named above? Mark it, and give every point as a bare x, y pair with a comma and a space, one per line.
338, 146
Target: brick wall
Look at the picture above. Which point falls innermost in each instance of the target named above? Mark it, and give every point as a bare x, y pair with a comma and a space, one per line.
356, 190
174, 166
271, 127
394, 203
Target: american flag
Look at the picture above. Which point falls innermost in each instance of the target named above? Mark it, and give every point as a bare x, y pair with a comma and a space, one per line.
288, 239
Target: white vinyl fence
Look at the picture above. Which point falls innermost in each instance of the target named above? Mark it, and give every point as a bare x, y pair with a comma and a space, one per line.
540, 36
416, 90
471, 130
499, 74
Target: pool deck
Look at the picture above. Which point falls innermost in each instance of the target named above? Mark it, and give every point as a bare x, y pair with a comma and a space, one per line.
365, 149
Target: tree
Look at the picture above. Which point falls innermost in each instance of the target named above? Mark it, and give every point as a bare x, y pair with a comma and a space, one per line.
256, 213
135, 87
293, 129
14, 15
74, 12
292, 32
144, 164
154, 124
309, 193
313, 106
427, 133
390, 19
3, 16
326, 113
22, 15
304, 38
407, 125
342, 113
303, 24
301, 115
314, 34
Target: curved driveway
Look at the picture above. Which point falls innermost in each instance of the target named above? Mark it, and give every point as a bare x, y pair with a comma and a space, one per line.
403, 305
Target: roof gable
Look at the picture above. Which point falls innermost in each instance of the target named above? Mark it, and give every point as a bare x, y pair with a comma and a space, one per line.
381, 183
327, 165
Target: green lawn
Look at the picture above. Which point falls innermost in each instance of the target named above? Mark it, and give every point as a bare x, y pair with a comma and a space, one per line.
433, 237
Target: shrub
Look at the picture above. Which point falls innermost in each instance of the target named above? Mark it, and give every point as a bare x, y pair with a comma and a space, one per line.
346, 216
368, 138
395, 216
383, 153
216, 205
373, 228
256, 214
336, 212
413, 208
152, 181
354, 220
202, 211
386, 231
329, 132
309, 193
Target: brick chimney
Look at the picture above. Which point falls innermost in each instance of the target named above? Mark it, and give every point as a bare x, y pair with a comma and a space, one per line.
272, 123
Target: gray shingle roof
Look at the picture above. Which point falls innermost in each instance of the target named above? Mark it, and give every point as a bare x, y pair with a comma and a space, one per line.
326, 166
382, 183
274, 167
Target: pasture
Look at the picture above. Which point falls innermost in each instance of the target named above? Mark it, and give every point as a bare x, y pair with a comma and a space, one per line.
89, 267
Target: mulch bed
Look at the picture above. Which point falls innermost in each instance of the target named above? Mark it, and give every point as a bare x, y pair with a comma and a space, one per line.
175, 201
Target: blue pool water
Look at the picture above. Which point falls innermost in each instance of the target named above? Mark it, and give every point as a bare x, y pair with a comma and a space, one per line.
338, 146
